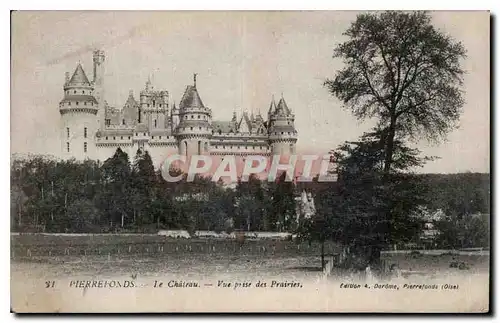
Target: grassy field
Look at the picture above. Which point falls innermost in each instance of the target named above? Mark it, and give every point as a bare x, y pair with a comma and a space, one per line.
440, 263
108, 255
151, 255
23, 246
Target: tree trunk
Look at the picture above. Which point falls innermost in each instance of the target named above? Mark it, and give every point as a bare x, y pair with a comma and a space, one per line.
123, 220
322, 255
389, 146
19, 214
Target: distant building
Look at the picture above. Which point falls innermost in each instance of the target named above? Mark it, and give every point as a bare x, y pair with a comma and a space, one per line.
305, 207
91, 128
430, 233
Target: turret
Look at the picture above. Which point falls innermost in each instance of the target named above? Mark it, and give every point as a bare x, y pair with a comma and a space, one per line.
98, 83
78, 110
281, 128
194, 131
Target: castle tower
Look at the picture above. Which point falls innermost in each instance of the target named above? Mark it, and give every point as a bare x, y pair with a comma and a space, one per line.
98, 83
78, 109
282, 132
174, 117
194, 131
153, 108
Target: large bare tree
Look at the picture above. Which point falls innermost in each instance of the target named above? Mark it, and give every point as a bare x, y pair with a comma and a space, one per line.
402, 71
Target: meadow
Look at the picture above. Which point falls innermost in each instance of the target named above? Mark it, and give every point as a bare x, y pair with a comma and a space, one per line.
152, 255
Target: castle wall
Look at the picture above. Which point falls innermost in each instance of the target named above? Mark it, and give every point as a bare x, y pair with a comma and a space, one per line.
104, 152
160, 152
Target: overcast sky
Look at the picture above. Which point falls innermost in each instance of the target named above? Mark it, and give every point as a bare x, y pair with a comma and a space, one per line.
242, 59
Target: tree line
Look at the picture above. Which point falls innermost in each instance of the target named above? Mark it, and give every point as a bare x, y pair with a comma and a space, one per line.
53, 195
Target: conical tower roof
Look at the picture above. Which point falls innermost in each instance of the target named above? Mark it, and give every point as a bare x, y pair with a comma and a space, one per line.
79, 77
283, 106
191, 99
272, 106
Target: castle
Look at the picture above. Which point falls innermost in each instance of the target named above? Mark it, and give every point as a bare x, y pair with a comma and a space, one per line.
90, 128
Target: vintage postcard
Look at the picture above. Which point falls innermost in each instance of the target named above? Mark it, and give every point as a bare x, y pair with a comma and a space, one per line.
272, 161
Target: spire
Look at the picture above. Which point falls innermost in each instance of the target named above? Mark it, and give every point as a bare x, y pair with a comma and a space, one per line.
194, 79
79, 77
283, 106
272, 106
148, 83
191, 99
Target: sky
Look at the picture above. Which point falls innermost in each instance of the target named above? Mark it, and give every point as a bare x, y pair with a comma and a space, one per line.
242, 59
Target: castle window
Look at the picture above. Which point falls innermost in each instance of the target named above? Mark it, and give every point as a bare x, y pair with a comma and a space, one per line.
121, 137
92, 103
191, 128
84, 147
155, 123
136, 134
85, 132
67, 147
108, 122
69, 103
85, 103
144, 134
200, 128
114, 138
148, 105
67, 132
74, 92
160, 105
83, 92
152, 137
123, 121
199, 116
106, 137
192, 116
159, 137
154, 102
282, 132
76, 102
128, 137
